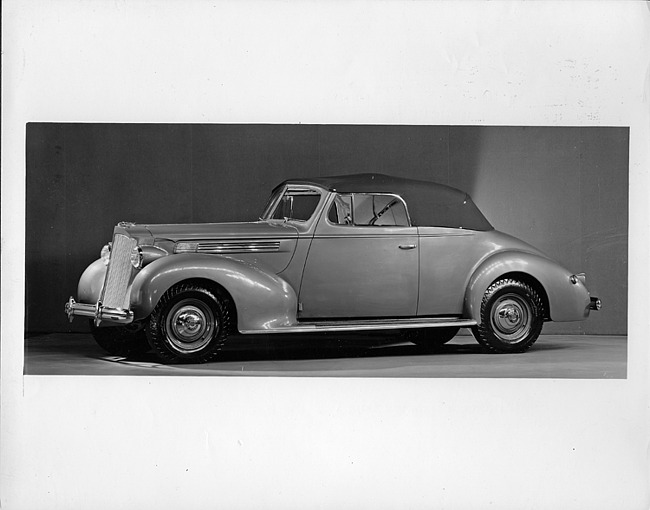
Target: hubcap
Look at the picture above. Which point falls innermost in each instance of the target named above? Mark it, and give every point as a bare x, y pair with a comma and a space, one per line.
511, 318
190, 325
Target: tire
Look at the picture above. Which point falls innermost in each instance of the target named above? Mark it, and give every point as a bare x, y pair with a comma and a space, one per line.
431, 338
189, 324
512, 316
121, 340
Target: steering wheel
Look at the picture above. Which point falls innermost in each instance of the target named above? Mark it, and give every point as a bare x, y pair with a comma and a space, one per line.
380, 213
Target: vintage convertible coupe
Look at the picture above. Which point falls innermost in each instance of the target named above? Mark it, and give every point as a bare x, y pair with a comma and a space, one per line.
344, 253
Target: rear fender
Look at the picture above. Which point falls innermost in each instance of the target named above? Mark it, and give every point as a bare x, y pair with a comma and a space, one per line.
263, 300
566, 301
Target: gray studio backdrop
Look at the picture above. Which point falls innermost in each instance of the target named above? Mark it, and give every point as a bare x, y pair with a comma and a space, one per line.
564, 190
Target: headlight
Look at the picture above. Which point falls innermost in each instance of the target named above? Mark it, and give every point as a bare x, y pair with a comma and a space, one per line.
105, 254
136, 257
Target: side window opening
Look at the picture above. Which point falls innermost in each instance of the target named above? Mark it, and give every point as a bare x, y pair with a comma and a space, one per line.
340, 212
392, 213
379, 210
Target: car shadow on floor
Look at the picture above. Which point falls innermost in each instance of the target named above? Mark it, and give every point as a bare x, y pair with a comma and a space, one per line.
322, 346
259, 348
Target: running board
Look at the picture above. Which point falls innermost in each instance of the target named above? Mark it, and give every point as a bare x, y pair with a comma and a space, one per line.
367, 325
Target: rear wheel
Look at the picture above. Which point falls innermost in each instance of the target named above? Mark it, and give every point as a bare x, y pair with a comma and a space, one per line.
431, 337
189, 324
512, 316
121, 340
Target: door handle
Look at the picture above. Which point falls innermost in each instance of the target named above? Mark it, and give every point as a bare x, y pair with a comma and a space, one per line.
407, 246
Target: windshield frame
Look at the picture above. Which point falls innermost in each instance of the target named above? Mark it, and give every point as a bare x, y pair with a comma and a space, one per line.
276, 199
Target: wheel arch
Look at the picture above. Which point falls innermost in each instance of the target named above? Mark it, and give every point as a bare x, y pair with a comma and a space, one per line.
215, 288
563, 301
260, 299
532, 282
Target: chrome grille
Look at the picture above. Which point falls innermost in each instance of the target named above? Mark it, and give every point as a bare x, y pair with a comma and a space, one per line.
119, 272
239, 247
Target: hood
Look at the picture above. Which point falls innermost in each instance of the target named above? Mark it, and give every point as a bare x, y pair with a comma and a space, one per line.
203, 231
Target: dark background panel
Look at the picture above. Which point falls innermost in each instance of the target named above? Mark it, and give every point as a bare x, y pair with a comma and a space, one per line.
526, 181
45, 235
563, 190
235, 167
417, 152
604, 211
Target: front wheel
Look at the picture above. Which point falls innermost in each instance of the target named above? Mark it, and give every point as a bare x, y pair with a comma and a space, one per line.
189, 324
512, 316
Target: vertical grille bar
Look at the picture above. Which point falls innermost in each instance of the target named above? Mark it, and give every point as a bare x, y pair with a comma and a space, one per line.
119, 272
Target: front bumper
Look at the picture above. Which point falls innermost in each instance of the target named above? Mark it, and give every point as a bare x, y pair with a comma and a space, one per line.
98, 312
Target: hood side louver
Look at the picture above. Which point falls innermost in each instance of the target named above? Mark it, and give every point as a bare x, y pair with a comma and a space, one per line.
238, 247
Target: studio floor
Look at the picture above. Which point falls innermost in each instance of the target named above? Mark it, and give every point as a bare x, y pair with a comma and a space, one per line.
354, 355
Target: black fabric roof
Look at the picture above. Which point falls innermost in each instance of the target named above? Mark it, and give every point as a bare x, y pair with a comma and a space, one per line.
371, 183
429, 203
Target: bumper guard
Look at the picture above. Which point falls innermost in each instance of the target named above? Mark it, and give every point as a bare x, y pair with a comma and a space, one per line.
98, 312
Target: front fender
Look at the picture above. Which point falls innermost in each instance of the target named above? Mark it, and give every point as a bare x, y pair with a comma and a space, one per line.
91, 282
567, 301
263, 300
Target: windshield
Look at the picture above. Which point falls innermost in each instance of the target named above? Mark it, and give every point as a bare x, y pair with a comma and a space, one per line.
291, 203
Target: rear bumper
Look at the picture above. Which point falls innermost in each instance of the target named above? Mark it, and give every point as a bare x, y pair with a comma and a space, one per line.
595, 304
98, 312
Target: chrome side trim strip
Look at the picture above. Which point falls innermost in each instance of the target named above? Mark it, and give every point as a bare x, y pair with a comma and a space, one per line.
460, 234
239, 247
367, 325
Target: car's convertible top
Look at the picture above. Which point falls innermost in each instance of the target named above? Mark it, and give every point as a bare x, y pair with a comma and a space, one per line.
429, 203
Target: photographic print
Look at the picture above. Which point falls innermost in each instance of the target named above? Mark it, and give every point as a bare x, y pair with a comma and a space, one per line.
324, 254
327, 250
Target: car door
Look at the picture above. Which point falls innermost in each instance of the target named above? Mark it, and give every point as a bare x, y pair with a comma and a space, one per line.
448, 256
363, 260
